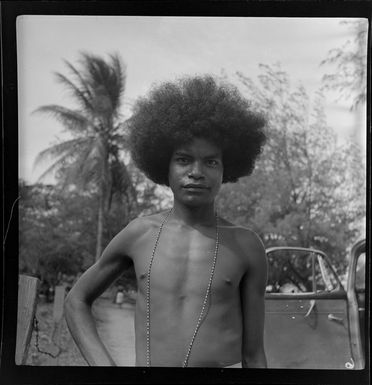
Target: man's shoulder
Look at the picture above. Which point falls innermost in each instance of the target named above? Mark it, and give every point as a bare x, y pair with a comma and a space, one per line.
137, 230
142, 224
248, 241
242, 234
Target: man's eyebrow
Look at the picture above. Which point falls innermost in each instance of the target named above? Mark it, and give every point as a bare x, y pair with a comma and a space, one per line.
187, 153
181, 152
214, 155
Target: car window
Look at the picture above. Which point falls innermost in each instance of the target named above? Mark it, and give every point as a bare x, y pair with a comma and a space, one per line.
298, 271
325, 278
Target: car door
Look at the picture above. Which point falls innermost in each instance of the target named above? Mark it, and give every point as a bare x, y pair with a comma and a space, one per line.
306, 323
356, 285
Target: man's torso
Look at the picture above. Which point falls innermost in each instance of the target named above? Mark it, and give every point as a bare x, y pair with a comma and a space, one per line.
180, 274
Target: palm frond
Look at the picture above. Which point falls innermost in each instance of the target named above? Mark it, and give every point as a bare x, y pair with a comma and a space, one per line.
57, 164
119, 69
60, 149
79, 167
83, 83
106, 78
91, 166
71, 119
118, 80
82, 171
97, 85
80, 95
95, 69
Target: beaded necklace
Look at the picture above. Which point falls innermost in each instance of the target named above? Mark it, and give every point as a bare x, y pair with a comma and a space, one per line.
148, 294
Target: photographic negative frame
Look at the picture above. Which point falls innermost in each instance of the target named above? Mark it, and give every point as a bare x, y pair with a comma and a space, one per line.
12, 373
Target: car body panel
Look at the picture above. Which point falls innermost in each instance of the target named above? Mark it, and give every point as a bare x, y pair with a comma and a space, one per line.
307, 333
311, 321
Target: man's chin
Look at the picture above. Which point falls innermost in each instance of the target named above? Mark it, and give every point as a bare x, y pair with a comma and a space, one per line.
196, 202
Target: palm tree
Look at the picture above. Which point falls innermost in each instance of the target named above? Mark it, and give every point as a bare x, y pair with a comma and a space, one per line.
93, 156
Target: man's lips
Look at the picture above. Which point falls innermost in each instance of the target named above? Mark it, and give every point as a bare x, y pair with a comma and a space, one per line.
194, 186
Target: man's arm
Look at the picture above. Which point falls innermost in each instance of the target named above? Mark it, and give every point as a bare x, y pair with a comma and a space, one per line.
252, 291
90, 285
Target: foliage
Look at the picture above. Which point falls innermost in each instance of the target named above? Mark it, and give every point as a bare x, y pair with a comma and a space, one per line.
57, 232
349, 62
306, 190
48, 240
57, 228
93, 158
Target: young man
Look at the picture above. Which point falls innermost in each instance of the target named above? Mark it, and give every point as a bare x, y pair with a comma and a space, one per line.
201, 280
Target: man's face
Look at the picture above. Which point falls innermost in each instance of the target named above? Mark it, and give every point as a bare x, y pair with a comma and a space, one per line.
195, 172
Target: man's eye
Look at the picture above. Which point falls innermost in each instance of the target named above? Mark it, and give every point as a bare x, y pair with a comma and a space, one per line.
182, 160
212, 162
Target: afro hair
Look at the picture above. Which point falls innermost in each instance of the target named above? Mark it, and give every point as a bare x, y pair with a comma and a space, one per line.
173, 114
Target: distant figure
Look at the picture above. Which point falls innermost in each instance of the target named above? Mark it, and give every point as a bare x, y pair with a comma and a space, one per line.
201, 279
50, 294
119, 297
289, 288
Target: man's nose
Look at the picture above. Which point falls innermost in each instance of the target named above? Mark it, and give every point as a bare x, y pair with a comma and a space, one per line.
196, 171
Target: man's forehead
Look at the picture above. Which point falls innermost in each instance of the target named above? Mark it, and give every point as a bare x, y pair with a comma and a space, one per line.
200, 146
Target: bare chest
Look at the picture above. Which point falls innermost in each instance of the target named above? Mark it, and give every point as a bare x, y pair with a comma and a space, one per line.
182, 264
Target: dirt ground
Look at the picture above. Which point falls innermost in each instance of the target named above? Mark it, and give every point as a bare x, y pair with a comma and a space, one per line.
115, 326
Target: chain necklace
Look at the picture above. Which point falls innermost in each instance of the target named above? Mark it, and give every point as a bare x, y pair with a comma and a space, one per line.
198, 324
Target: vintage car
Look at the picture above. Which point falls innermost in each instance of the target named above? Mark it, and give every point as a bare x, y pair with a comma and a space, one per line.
313, 321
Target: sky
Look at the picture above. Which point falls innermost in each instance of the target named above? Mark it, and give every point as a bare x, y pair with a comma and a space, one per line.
156, 49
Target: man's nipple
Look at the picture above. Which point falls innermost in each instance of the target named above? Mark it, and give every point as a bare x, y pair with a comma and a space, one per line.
143, 276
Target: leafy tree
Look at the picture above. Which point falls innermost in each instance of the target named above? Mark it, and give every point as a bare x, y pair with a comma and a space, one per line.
57, 228
349, 62
51, 241
92, 159
306, 189
57, 232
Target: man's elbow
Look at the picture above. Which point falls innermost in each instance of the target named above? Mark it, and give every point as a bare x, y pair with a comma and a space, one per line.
73, 304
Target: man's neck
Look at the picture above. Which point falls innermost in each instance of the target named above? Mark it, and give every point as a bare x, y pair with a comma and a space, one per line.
193, 216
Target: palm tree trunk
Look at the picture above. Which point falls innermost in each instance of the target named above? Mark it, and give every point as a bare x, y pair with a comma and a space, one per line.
99, 227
